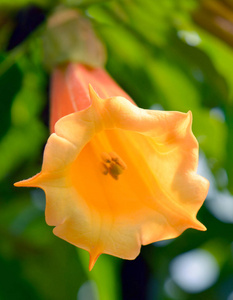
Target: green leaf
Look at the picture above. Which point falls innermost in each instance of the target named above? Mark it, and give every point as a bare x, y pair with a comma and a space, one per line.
10, 84
21, 105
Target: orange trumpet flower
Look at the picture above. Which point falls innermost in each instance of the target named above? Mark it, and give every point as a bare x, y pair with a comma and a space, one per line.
116, 176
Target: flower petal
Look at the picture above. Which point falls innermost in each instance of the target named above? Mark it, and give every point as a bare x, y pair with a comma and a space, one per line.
69, 89
156, 197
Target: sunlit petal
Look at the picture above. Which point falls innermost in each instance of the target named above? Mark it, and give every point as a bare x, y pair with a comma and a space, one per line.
117, 177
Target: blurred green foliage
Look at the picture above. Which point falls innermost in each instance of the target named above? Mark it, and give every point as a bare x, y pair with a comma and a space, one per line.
164, 56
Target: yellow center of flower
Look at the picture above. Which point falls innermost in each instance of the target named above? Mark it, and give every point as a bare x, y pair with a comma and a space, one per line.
112, 164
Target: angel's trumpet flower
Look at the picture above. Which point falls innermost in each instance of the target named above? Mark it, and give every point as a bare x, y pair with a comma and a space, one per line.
116, 176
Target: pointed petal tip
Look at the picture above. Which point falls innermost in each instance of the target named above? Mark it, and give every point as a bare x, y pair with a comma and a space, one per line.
93, 258
93, 94
202, 227
30, 182
189, 116
23, 183
199, 226
19, 183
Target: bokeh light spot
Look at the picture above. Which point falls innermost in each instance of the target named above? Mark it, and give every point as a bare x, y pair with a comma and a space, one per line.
230, 297
194, 271
190, 37
88, 291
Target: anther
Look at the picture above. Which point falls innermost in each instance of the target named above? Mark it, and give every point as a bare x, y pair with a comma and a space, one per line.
106, 157
104, 168
116, 158
112, 164
115, 170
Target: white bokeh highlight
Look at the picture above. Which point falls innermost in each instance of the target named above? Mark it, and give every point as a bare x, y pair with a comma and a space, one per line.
219, 203
88, 291
194, 271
